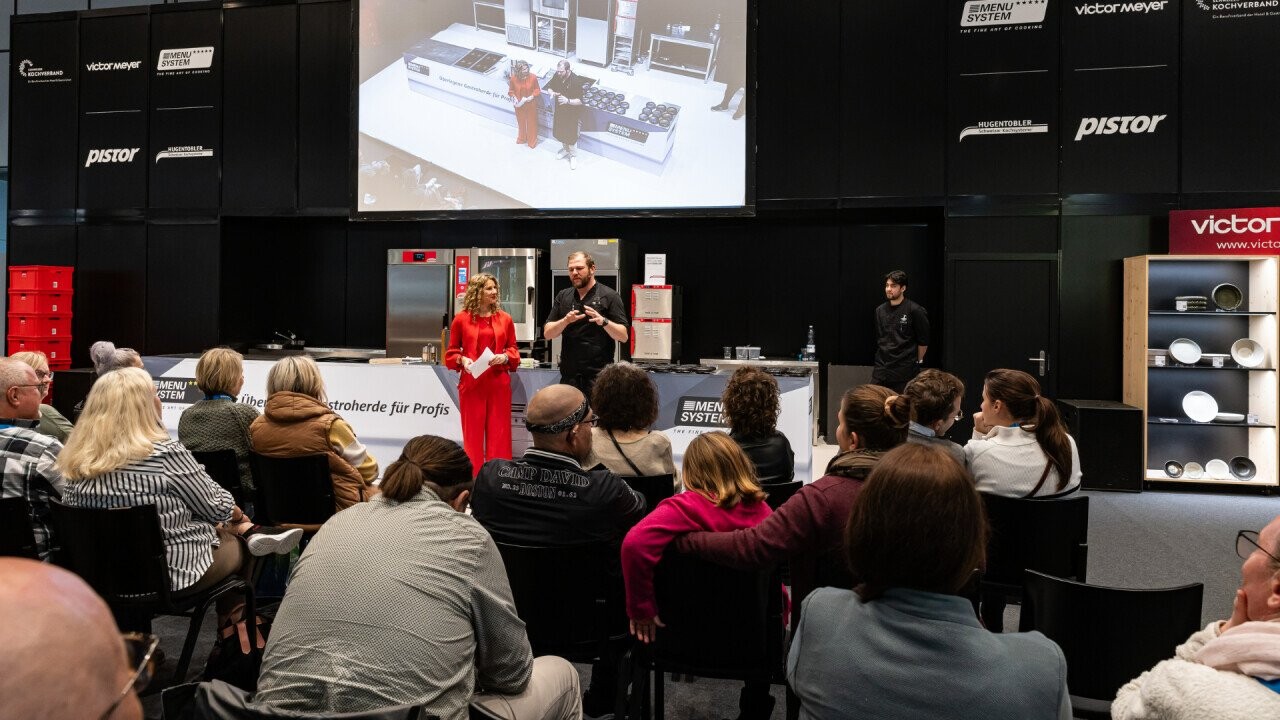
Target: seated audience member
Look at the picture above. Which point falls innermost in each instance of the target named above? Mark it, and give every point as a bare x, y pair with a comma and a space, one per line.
1020, 446
107, 357
935, 402
296, 421
120, 456
546, 498
751, 406
52, 422
809, 527
28, 454
64, 657
626, 402
428, 618
904, 643
1231, 669
720, 494
218, 422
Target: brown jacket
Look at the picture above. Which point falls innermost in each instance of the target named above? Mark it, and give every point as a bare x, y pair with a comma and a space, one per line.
294, 424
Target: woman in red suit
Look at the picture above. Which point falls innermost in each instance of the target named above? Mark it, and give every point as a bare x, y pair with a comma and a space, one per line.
485, 401
523, 89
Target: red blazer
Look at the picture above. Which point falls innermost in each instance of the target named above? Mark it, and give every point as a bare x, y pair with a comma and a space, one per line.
464, 340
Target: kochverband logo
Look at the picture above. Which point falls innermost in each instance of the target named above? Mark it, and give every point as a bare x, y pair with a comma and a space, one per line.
1004, 127
110, 155
1122, 124
983, 13
184, 151
123, 65
703, 411
36, 74
184, 60
1100, 8
1238, 8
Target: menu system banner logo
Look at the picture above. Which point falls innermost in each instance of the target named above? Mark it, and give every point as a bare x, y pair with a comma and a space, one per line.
1099, 8
1224, 9
184, 151
36, 74
1122, 124
110, 155
984, 13
700, 411
185, 61
1004, 127
102, 66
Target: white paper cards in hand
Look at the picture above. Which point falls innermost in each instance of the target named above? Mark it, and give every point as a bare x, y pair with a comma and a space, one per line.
480, 364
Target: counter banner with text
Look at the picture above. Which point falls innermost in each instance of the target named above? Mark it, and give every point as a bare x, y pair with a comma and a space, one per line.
1238, 231
387, 405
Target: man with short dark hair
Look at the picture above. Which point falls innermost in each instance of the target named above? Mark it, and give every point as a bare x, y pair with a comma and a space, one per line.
592, 318
935, 407
28, 455
565, 90
902, 335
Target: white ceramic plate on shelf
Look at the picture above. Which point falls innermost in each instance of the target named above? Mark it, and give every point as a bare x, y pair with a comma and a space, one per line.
1200, 406
1248, 353
1185, 351
1192, 471
1228, 417
1218, 469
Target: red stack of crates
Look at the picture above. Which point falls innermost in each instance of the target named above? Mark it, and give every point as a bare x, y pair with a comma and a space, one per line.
40, 312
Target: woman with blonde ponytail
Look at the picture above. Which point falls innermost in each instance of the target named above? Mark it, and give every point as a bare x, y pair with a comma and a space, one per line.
1020, 446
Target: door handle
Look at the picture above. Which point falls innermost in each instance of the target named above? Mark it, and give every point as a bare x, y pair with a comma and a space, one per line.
1043, 360
529, 300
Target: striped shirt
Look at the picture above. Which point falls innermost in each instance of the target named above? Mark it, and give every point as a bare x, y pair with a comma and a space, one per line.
29, 473
188, 501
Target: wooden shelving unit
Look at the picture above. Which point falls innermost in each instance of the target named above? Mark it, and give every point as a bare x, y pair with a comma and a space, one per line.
1151, 322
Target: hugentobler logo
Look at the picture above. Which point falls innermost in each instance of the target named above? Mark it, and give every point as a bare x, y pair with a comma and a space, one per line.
703, 411
35, 73
184, 151
111, 155
122, 65
179, 60
1123, 124
1101, 8
1004, 127
980, 13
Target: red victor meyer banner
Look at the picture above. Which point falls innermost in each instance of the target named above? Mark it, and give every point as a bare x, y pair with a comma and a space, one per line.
1239, 231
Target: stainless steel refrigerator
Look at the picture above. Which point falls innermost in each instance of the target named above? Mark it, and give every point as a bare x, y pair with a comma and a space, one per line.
420, 301
594, 30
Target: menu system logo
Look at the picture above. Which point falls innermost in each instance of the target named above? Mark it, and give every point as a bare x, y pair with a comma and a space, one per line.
984, 13
178, 390
700, 411
110, 155
124, 65
1099, 8
184, 151
1122, 124
1004, 127
185, 61
36, 74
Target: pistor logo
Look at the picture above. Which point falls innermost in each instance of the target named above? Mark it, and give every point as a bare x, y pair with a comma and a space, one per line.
111, 155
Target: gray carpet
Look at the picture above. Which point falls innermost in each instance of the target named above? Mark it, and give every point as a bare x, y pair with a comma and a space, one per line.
1146, 540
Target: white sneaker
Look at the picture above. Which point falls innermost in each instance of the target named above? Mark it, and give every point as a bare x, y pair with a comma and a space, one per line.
273, 541
573, 162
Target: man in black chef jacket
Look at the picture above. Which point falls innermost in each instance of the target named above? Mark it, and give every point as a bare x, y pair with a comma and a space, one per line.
592, 318
565, 90
902, 332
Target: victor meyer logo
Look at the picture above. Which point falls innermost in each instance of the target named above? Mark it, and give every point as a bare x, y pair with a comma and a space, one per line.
123, 65
1100, 8
110, 155
1235, 225
179, 60
1122, 124
980, 13
702, 411
1004, 127
184, 151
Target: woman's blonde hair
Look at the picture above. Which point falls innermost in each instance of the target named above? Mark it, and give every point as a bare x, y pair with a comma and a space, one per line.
117, 426
471, 301
218, 370
716, 468
296, 373
36, 359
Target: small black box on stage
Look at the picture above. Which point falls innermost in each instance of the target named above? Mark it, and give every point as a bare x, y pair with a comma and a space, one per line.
1109, 437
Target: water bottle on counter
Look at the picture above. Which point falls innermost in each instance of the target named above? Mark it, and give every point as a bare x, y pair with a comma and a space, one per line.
810, 349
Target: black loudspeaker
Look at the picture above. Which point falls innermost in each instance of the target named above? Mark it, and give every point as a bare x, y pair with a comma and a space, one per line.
1109, 437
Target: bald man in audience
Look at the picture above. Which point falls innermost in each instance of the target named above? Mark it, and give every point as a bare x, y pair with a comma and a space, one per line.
28, 456
63, 656
1231, 669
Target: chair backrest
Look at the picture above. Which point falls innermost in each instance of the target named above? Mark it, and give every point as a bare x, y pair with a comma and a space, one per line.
293, 491
781, 492
654, 488
16, 537
119, 552
570, 598
223, 467
720, 621
216, 700
1051, 536
1108, 635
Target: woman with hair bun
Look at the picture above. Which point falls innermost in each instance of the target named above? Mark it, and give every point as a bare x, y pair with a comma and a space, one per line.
1020, 446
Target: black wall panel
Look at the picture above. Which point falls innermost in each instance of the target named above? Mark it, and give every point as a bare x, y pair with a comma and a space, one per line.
184, 274
113, 117
185, 65
324, 104
1002, 235
893, 99
43, 117
260, 120
1229, 140
111, 288
42, 245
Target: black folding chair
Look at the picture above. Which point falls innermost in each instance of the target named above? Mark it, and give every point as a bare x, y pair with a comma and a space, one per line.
654, 488
120, 553
781, 492
16, 536
1051, 536
223, 467
1108, 635
292, 492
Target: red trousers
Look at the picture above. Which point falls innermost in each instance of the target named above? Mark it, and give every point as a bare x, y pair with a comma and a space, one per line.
486, 416
527, 123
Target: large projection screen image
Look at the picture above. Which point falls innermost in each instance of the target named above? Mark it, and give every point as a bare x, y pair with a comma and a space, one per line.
569, 105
